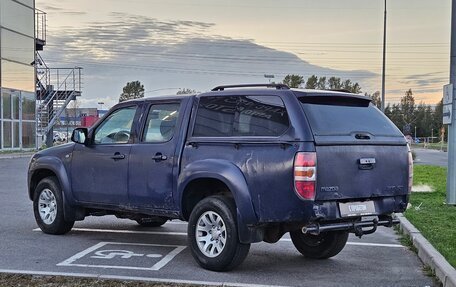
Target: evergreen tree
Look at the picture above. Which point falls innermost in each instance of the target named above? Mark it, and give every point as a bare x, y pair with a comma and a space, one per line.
312, 82
132, 90
334, 83
293, 81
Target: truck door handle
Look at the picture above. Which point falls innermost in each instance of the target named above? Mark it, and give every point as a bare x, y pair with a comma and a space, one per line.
159, 157
118, 156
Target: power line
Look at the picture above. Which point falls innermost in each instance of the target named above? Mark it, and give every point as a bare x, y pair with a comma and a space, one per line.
259, 73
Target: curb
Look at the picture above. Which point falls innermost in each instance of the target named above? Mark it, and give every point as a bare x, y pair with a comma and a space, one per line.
428, 254
11, 156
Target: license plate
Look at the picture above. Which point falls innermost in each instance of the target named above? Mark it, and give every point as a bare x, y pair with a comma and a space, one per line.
360, 208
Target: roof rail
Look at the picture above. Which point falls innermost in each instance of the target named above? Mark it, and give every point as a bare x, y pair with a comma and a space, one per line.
341, 90
277, 86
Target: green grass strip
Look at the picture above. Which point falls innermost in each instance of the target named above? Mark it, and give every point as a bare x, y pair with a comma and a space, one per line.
429, 213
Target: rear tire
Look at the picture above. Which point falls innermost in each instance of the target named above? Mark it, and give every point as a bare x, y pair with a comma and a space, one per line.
323, 246
213, 234
48, 207
152, 221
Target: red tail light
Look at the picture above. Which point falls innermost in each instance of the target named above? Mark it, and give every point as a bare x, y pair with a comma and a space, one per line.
305, 174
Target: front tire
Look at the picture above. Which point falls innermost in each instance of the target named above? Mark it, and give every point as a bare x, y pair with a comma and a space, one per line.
323, 246
48, 207
213, 234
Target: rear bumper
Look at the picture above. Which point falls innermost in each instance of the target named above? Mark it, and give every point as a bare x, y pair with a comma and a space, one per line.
357, 227
329, 210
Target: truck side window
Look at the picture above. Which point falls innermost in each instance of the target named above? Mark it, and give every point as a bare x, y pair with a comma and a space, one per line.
161, 122
241, 116
261, 116
215, 117
116, 128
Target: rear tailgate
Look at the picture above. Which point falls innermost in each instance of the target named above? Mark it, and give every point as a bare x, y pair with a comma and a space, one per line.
360, 152
341, 173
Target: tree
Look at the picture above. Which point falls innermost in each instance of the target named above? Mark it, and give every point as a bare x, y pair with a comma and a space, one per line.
312, 82
186, 91
132, 90
355, 88
348, 85
376, 99
407, 116
293, 81
407, 107
395, 115
321, 84
388, 111
422, 122
437, 122
334, 83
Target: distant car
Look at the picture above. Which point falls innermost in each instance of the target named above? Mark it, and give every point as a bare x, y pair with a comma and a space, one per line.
56, 136
241, 164
417, 140
63, 136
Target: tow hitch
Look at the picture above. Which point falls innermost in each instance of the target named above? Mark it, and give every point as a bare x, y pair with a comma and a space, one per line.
355, 227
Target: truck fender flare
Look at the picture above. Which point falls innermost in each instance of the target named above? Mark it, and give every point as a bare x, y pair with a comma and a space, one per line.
58, 168
227, 173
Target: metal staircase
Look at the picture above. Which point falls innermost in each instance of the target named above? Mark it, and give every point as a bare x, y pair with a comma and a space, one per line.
55, 89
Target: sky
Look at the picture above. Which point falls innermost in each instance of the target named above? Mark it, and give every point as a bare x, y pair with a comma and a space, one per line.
200, 44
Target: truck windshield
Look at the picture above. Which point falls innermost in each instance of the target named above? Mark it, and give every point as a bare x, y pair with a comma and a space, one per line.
333, 116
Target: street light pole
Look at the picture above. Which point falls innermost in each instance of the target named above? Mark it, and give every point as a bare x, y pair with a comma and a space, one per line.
451, 176
384, 61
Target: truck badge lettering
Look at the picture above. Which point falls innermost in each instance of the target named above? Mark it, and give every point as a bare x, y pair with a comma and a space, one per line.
329, 188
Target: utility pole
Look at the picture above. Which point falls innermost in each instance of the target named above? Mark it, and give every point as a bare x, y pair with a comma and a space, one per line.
384, 61
451, 176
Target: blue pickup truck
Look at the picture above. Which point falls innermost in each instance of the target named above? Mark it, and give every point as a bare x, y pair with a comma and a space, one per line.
241, 164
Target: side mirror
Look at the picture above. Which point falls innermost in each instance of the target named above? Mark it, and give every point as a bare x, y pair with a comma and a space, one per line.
80, 136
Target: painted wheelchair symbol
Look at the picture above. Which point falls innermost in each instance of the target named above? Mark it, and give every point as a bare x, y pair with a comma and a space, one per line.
123, 254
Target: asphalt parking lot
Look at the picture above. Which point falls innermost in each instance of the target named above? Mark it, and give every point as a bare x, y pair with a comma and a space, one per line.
113, 248
431, 157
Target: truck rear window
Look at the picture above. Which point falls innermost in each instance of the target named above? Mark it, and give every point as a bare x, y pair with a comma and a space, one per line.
332, 116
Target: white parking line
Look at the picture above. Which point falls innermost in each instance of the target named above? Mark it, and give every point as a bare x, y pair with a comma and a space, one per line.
132, 278
185, 234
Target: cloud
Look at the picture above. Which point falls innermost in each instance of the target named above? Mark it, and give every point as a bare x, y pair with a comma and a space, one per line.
425, 82
170, 53
74, 13
54, 8
49, 8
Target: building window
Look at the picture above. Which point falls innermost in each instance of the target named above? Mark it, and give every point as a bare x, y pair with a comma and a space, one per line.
28, 106
17, 17
18, 76
7, 135
28, 134
6, 98
15, 108
16, 142
17, 47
